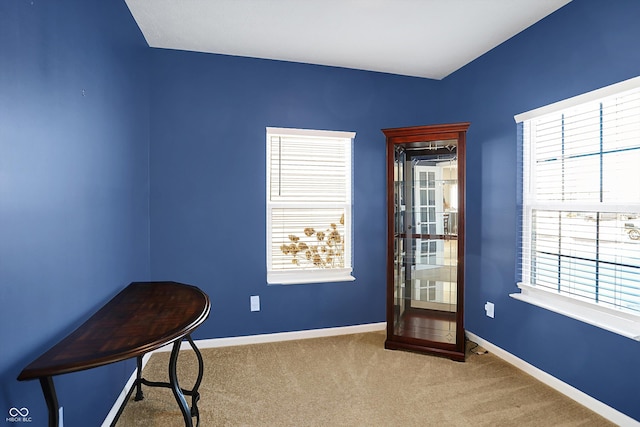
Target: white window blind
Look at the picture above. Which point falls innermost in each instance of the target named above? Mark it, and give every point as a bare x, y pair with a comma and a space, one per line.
580, 229
308, 206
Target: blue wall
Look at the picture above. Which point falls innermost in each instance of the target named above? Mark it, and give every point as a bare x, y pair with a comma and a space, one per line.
74, 221
583, 46
208, 215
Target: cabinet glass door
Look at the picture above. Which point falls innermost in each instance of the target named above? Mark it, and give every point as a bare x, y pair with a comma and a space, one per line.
425, 289
426, 243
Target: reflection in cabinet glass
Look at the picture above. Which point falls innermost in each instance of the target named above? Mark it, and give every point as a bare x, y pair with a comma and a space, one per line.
425, 246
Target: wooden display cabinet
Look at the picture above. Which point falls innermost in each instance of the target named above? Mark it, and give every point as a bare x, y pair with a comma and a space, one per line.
425, 246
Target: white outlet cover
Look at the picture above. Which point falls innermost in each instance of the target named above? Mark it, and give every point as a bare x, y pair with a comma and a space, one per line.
255, 303
489, 309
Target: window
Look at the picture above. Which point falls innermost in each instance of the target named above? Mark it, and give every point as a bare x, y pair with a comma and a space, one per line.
580, 228
308, 206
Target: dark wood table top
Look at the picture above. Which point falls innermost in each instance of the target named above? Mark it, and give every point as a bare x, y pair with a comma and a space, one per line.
144, 316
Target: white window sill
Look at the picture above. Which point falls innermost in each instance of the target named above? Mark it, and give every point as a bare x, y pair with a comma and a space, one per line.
309, 276
619, 322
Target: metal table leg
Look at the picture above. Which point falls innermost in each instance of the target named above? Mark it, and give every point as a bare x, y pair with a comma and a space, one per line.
195, 396
178, 392
175, 387
52, 400
139, 394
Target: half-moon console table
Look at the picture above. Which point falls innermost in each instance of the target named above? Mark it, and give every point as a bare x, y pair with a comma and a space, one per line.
143, 317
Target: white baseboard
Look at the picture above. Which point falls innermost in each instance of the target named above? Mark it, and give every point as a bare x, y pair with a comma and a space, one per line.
281, 336
244, 340
584, 399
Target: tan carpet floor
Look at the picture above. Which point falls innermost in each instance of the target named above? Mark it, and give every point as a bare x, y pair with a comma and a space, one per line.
351, 380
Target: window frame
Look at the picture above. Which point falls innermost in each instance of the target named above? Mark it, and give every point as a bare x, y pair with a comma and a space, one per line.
312, 275
617, 320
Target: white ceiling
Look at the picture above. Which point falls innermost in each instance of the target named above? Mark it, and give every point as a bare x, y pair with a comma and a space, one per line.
422, 38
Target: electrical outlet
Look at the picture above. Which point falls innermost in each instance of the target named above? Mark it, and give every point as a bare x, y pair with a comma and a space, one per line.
489, 309
255, 303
